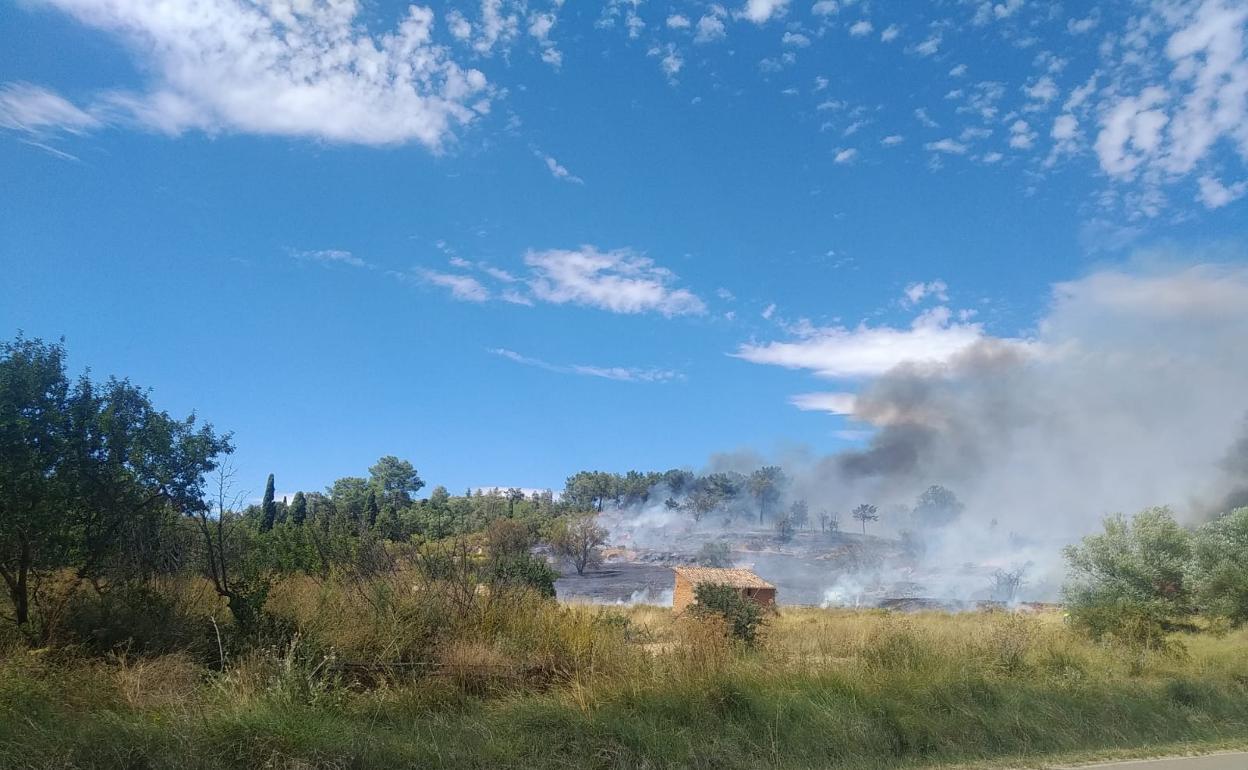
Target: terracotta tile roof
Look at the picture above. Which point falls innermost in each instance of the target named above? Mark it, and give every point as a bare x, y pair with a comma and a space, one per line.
737, 578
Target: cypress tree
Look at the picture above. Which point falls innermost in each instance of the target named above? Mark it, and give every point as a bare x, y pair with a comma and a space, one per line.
298, 509
268, 508
370, 509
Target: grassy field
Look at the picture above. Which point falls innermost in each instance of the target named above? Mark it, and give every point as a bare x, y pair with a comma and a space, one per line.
521, 682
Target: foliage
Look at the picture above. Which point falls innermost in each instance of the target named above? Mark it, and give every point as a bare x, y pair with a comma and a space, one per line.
88, 474
766, 485
1219, 567
1129, 581
578, 539
742, 616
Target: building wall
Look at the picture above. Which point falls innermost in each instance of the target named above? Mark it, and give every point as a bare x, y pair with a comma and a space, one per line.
682, 595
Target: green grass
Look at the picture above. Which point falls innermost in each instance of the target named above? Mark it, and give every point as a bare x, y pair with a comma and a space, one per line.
634, 689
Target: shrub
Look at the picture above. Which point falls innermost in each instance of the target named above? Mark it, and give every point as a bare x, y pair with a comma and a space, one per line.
525, 570
1128, 583
1219, 568
743, 617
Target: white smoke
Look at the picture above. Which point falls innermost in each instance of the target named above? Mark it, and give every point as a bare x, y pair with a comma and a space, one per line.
1131, 391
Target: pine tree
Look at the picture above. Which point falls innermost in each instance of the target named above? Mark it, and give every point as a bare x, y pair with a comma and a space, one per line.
268, 508
298, 509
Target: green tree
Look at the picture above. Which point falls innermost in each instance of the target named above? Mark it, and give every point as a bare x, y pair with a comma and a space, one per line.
579, 538
1128, 582
268, 508
397, 480
88, 474
766, 486
298, 509
1219, 567
371, 510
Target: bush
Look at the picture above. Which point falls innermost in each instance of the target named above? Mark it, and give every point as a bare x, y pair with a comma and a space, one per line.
523, 570
743, 617
1128, 583
1219, 569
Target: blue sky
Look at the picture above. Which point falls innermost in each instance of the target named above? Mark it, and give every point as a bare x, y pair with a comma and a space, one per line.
511, 240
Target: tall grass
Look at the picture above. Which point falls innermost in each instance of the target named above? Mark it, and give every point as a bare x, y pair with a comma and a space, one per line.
402, 674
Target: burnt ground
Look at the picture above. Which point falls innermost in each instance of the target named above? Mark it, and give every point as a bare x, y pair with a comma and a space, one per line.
617, 582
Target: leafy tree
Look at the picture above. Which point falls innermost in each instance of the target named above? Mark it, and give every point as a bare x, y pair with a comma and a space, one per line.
579, 538
799, 514
298, 509
937, 507
349, 494
396, 479
268, 508
1128, 582
766, 486
523, 569
865, 513
371, 510
88, 474
1219, 567
743, 616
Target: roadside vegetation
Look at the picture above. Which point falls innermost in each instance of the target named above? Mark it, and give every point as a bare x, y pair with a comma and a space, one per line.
154, 618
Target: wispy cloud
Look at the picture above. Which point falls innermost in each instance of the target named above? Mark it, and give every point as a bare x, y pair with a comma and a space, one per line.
618, 373
331, 257
462, 287
618, 280
557, 170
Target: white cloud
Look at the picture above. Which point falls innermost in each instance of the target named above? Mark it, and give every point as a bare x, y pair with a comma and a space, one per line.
795, 39
1021, 135
861, 28
1215, 195
288, 69
892, 140
678, 21
331, 257
992, 157
463, 287
866, 351
958, 71
918, 291
557, 170
1042, 91
1084, 25
825, 8
890, 33
1131, 132
920, 114
845, 156
930, 46
768, 312
617, 373
833, 403
30, 108
619, 280
759, 11
710, 28
948, 146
